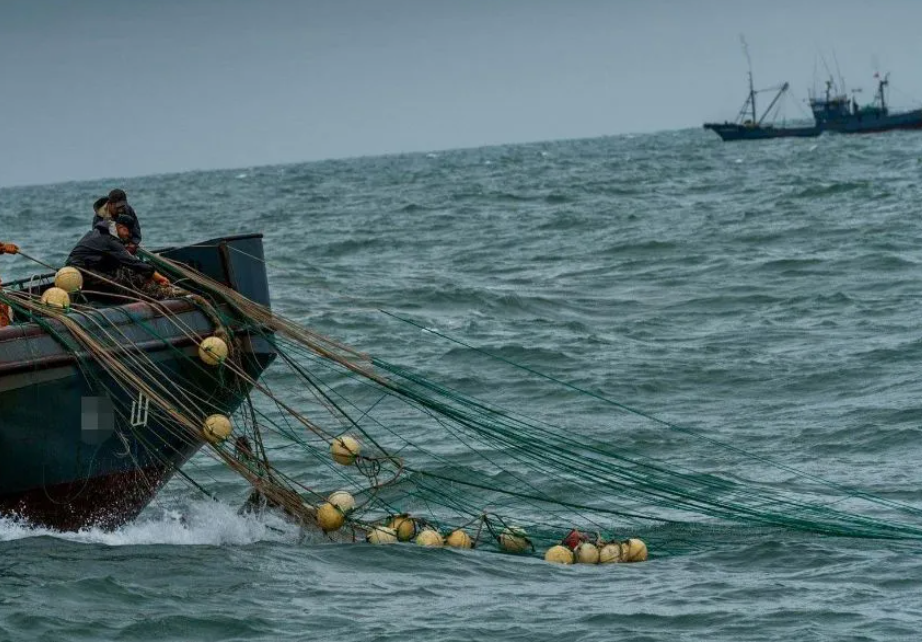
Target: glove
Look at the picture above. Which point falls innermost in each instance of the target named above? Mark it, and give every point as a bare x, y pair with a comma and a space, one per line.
132, 248
9, 248
160, 279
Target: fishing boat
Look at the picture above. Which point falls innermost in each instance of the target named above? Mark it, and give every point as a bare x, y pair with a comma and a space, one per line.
80, 447
835, 112
748, 126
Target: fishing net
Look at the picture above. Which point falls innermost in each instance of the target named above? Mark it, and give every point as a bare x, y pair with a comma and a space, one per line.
358, 448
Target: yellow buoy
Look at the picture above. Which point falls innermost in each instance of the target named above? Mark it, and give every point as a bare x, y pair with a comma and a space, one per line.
633, 550
217, 428
382, 535
329, 517
345, 449
405, 527
558, 555
68, 279
513, 540
587, 553
343, 501
212, 351
56, 298
459, 539
610, 554
429, 537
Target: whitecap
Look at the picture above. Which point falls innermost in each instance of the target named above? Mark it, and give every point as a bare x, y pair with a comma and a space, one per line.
196, 523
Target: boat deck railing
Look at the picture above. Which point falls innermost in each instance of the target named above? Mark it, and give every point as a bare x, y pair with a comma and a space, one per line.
35, 284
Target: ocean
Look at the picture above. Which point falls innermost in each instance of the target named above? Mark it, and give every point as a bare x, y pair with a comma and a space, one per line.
763, 294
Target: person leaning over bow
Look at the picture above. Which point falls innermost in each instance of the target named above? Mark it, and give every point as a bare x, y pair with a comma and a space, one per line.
115, 204
106, 258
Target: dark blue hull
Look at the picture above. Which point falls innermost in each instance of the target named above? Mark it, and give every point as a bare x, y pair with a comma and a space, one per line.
872, 123
75, 448
733, 131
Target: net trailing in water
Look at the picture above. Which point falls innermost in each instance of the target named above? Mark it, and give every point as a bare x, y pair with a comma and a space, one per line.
355, 448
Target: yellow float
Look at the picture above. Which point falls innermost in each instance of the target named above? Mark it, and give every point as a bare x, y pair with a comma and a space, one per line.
68, 279
345, 449
405, 527
514, 540
429, 537
343, 500
633, 550
610, 554
382, 535
56, 298
329, 517
587, 553
459, 539
217, 428
213, 351
558, 555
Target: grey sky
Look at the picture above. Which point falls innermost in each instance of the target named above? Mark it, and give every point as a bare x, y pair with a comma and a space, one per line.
110, 88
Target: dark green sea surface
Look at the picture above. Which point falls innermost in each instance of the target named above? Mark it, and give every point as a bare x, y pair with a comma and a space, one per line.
766, 294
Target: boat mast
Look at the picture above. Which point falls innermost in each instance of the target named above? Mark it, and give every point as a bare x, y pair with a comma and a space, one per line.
881, 83
752, 91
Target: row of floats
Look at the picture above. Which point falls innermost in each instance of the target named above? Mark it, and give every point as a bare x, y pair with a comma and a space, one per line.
575, 548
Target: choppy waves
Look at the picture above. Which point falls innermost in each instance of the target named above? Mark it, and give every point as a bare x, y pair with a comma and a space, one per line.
764, 294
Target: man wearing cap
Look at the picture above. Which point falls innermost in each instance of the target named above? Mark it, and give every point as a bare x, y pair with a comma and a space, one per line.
115, 204
106, 258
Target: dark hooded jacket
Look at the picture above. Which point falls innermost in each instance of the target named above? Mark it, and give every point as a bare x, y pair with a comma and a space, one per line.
98, 251
129, 211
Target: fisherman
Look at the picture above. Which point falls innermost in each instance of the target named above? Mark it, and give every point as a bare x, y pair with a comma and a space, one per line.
109, 264
109, 207
5, 314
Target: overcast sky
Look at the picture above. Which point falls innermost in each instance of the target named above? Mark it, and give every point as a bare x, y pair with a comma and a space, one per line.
114, 88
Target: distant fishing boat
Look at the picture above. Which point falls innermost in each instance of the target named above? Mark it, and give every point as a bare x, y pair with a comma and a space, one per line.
836, 113
748, 126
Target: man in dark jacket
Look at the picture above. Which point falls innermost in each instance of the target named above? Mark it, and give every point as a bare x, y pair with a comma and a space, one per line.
116, 204
100, 253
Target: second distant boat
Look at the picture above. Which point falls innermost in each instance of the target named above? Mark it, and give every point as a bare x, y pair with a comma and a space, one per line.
836, 113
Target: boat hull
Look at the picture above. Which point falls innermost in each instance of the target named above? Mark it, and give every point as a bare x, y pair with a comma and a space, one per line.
875, 123
77, 448
734, 131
